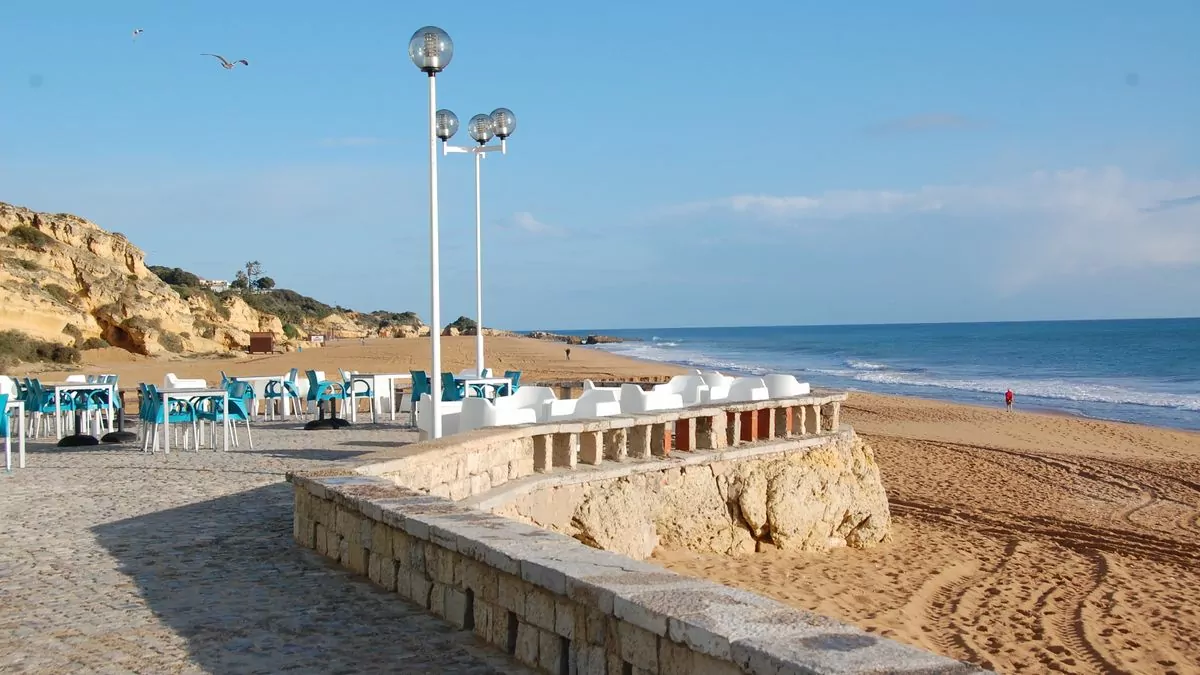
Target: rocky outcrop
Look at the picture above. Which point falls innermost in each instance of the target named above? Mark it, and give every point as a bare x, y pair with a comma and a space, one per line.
813, 500
64, 279
601, 339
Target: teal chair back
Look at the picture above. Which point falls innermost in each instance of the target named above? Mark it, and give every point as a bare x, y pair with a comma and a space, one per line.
451, 390
3, 414
420, 384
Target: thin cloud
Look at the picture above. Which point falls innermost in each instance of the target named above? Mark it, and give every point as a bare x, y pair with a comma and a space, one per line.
1168, 204
924, 122
1061, 222
525, 221
352, 142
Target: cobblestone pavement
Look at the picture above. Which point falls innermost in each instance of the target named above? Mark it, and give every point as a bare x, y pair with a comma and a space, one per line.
112, 561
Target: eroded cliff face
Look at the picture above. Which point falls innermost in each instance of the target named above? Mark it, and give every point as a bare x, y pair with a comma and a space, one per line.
811, 500
64, 279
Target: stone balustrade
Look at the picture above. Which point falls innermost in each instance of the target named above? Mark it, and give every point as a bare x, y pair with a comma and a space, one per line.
560, 606
470, 463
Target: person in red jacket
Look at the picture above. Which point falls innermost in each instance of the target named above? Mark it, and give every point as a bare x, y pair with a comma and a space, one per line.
1008, 400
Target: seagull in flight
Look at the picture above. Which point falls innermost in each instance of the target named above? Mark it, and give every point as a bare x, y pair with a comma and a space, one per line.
226, 64
136, 33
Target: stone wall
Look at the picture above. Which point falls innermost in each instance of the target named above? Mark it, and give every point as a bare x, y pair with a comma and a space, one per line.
564, 608
810, 494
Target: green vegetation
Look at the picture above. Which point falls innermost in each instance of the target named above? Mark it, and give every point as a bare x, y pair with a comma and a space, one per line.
289, 306
73, 332
463, 324
384, 319
94, 343
171, 342
60, 294
28, 236
21, 347
290, 331
174, 276
27, 265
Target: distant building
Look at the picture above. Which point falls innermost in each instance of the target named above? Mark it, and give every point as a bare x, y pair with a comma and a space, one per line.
214, 285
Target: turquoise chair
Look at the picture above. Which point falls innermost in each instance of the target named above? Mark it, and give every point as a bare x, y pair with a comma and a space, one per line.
152, 415
451, 389
4, 432
504, 390
40, 405
324, 390
241, 406
281, 389
361, 389
420, 386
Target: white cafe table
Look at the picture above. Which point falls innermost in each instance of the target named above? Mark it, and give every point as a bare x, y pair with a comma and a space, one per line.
186, 394
494, 382
64, 387
259, 384
20, 408
376, 381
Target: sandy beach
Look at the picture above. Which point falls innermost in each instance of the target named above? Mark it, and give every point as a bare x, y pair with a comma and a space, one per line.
1024, 542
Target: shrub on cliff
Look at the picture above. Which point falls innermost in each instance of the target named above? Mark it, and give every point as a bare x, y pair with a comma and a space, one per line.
21, 347
171, 342
290, 331
30, 237
94, 343
289, 306
60, 294
175, 276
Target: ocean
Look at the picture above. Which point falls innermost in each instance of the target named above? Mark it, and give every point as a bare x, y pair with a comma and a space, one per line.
1144, 371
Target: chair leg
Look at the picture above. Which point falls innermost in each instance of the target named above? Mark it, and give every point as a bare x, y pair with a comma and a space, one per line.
249, 437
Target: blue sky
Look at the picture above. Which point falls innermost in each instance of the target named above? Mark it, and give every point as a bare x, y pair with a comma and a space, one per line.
674, 164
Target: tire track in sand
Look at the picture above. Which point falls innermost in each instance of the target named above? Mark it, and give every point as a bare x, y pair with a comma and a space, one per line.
1066, 627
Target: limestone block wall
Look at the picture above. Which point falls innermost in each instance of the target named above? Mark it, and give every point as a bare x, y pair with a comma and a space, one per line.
564, 608
806, 494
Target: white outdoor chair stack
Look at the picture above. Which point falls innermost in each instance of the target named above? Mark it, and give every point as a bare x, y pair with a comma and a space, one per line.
747, 389
589, 385
689, 387
785, 386
634, 400
592, 404
478, 412
171, 381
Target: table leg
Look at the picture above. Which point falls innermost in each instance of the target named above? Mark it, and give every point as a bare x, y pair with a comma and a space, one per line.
21, 443
112, 408
225, 418
57, 414
166, 427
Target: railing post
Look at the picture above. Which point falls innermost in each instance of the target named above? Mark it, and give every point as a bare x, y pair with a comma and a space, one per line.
590, 450
660, 439
616, 444
566, 450
541, 453
639, 441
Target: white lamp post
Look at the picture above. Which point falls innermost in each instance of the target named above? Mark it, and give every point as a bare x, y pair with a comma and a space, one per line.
482, 128
431, 50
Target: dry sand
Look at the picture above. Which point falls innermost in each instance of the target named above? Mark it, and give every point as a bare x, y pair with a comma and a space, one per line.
1023, 542
1027, 543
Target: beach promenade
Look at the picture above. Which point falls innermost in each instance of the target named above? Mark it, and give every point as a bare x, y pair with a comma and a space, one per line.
118, 562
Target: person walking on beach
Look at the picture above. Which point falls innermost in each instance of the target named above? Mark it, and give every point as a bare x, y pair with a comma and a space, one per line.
568, 353
1008, 400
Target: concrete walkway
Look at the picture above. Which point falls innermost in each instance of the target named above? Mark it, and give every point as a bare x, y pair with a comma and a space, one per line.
112, 561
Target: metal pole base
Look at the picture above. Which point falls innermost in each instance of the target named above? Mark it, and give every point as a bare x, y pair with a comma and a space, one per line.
77, 439
120, 435
323, 422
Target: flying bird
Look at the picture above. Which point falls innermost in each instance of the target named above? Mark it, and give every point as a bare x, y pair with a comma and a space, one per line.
136, 33
226, 64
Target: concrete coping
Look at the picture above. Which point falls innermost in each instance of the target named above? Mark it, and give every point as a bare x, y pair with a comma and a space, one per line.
757, 634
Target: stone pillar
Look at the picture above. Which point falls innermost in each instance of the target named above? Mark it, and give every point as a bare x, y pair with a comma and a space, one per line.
798, 420
616, 443
639, 441
833, 415
783, 422
660, 439
685, 434
813, 424
590, 449
733, 429
710, 432
541, 453
566, 450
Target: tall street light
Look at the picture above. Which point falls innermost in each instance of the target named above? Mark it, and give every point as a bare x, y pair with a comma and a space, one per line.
483, 128
431, 50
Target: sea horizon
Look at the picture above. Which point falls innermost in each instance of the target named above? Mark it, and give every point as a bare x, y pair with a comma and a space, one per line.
1145, 371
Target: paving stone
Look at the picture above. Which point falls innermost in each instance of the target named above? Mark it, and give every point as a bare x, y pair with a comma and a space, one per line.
117, 562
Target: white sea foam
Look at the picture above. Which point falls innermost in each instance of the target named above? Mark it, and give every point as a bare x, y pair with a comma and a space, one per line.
865, 365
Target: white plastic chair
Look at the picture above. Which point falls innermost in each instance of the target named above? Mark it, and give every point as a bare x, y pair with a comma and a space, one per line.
478, 412
592, 404
784, 386
76, 379
451, 411
748, 389
588, 385
171, 381
689, 387
634, 400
